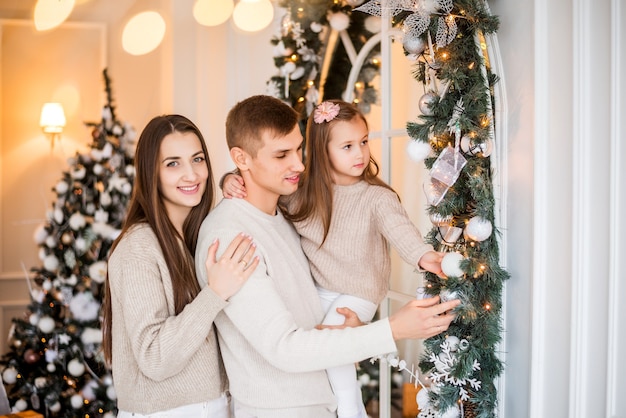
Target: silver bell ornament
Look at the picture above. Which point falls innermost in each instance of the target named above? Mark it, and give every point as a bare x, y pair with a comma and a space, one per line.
471, 147
440, 220
426, 103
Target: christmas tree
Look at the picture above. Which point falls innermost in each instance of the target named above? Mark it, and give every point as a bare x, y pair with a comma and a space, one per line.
55, 365
315, 49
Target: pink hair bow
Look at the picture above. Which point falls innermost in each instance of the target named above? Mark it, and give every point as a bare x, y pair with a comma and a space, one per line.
325, 112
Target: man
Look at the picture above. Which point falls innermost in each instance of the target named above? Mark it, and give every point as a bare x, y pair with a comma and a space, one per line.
273, 356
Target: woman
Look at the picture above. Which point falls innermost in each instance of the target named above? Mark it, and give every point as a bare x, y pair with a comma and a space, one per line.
158, 325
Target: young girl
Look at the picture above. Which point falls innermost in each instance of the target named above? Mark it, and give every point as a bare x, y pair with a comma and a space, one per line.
158, 325
346, 216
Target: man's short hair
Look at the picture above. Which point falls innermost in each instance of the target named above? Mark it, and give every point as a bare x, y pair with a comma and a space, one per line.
251, 118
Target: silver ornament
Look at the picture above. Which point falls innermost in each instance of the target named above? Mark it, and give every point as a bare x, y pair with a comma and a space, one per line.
440, 220
471, 147
414, 44
426, 103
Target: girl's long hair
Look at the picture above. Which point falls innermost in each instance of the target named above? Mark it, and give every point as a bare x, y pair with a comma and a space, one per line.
146, 206
314, 197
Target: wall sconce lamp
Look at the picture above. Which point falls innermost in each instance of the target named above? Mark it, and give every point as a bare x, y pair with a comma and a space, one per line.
52, 120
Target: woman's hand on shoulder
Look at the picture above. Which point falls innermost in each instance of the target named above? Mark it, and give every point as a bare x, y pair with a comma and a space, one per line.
233, 186
228, 274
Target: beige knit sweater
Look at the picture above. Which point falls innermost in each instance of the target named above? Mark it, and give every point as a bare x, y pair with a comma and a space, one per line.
275, 361
160, 360
355, 257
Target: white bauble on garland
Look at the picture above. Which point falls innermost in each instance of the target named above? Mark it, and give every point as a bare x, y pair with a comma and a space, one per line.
414, 44
452, 412
450, 264
478, 229
453, 342
422, 399
418, 150
448, 295
426, 103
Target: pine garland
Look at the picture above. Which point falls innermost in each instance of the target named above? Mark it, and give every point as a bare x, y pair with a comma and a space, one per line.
457, 115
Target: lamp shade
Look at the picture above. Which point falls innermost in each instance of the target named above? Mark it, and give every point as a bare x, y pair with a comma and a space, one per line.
52, 118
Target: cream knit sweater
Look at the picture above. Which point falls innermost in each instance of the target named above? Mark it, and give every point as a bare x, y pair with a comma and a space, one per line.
160, 360
355, 259
274, 358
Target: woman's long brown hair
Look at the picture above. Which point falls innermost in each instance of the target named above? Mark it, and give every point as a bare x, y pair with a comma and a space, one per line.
146, 206
314, 196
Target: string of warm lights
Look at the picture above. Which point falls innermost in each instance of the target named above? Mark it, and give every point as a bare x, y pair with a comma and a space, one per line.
145, 31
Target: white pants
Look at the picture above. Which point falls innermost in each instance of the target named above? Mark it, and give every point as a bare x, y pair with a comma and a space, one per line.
343, 378
217, 408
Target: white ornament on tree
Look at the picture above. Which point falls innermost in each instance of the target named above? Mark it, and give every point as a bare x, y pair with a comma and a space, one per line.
414, 44
76, 367
426, 103
9, 375
450, 265
76, 401
478, 229
471, 147
46, 324
111, 393
453, 342
339, 21
418, 150
20, 405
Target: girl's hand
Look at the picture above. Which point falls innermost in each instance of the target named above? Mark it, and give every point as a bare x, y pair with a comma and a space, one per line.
431, 261
228, 274
233, 186
352, 320
422, 318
